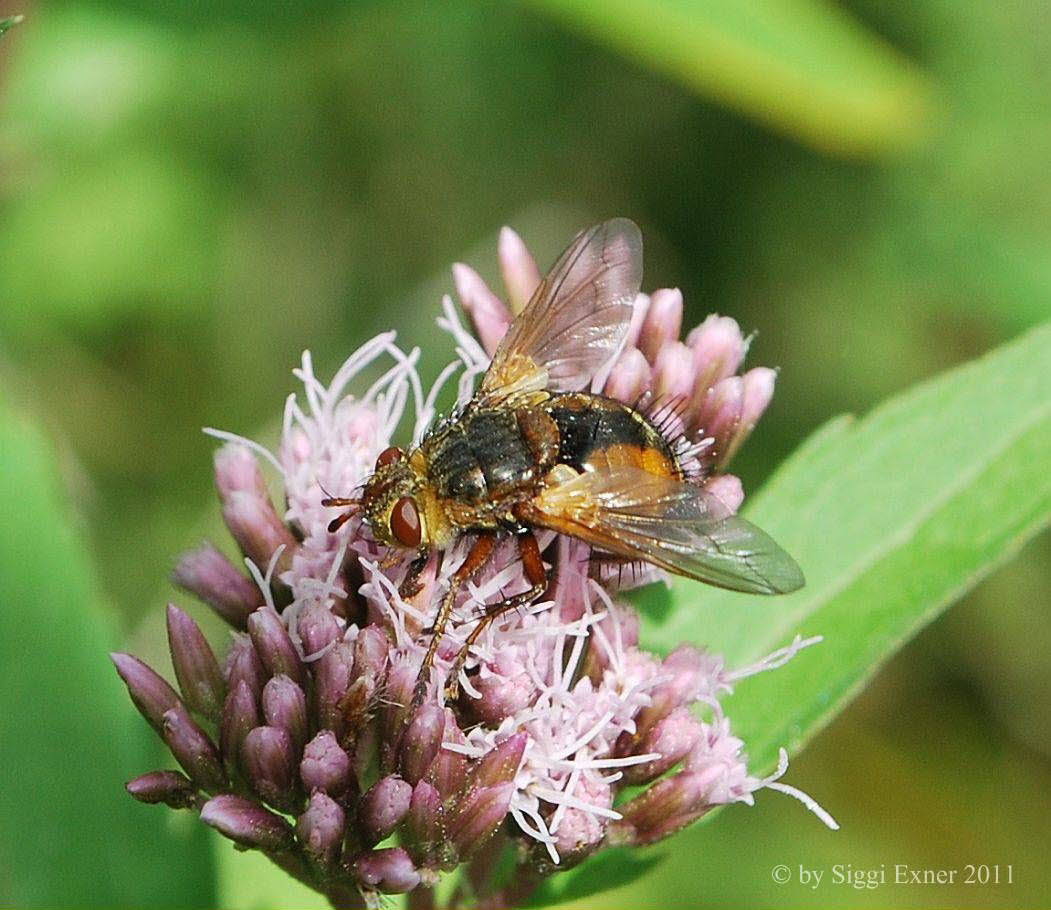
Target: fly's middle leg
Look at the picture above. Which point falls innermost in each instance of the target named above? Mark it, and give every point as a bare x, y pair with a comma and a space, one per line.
533, 568
477, 557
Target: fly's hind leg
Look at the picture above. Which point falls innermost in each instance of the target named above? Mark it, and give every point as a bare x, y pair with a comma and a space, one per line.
477, 557
533, 568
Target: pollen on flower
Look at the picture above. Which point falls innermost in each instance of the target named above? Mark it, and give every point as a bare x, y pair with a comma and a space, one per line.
319, 756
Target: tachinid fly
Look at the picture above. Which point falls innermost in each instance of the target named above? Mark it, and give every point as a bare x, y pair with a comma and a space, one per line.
533, 449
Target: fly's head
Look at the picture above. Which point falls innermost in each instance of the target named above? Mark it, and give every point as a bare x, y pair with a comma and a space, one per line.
390, 502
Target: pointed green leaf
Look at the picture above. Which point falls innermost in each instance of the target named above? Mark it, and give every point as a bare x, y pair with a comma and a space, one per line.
892, 518
804, 67
69, 834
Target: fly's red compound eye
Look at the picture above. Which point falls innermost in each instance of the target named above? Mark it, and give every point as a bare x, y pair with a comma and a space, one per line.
389, 456
405, 522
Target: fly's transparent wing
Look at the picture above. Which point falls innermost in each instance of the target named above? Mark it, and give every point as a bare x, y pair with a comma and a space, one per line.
577, 317
674, 525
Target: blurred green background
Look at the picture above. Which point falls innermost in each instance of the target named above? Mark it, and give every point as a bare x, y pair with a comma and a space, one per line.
192, 193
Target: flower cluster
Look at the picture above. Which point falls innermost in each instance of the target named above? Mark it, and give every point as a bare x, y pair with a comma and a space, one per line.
301, 742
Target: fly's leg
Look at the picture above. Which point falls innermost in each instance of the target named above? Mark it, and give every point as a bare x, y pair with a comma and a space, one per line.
411, 585
533, 568
477, 557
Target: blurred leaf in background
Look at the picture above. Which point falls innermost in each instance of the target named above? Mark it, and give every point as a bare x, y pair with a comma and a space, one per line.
69, 835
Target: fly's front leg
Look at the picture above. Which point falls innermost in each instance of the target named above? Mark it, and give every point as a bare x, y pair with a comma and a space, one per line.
411, 585
533, 569
477, 557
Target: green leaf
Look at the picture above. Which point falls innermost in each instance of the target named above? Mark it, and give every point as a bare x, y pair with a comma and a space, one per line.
609, 869
892, 518
804, 67
69, 834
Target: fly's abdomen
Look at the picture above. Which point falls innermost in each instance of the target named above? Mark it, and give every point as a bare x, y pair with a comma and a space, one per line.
598, 433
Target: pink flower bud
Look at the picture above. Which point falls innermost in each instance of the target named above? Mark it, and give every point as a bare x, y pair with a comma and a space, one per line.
479, 816
209, 575
672, 738
421, 742
243, 665
487, 311
630, 377
247, 823
383, 807
168, 787
320, 828
423, 830
273, 644
519, 269
285, 706
270, 762
718, 350
325, 766
673, 376
727, 489
663, 322
389, 871
193, 749
240, 715
499, 765
196, 668
247, 509
149, 692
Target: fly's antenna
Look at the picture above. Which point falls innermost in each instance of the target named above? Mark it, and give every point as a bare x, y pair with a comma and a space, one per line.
352, 505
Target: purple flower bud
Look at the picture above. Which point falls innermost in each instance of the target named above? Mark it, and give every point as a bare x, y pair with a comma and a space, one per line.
270, 763
318, 628
727, 489
209, 575
240, 715
169, 787
320, 828
718, 350
331, 680
421, 741
499, 765
423, 830
247, 509
519, 269
273, 644
243, 665
448, 771
285, 706
664, 808
487, 311
757, 389
630, 377
247, 823
673, 375
383, 807
672, 738
683, 669
325, 766
398, 694
150, 693
721, 414
195, 665
193, 749
389, 871
663, 322
479, 816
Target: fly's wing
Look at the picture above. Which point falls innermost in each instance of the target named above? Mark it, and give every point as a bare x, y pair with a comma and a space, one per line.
577, 317
674, 525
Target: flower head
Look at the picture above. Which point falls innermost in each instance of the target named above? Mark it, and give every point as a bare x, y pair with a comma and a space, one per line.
304, 740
